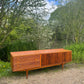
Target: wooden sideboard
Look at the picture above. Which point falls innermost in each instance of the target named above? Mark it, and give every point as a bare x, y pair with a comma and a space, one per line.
36, 59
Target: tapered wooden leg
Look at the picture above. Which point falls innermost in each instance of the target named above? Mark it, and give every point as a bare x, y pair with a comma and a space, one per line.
62, 66
26, 74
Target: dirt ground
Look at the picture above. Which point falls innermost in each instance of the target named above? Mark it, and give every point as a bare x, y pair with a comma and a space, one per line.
72, 74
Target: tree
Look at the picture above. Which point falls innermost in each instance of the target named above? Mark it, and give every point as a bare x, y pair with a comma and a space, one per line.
10, 13
69, 17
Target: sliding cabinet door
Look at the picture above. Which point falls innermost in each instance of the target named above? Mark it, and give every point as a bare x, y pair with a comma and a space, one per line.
51, 59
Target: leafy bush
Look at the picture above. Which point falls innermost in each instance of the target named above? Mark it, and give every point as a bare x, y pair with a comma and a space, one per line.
5, 68
16, 46
77, 52
3, 54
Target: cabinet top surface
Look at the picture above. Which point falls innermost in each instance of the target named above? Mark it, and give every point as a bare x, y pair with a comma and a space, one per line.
37, 52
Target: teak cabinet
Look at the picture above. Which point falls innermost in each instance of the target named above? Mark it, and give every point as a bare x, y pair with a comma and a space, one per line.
36, 59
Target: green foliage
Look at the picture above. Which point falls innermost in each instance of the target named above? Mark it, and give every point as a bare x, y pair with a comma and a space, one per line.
3, 54
69, 19
5, 69
43, 36
77, 52
16, 46
10, 13
19, 21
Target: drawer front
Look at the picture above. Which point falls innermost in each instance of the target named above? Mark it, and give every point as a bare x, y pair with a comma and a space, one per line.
51, 59
67, 57
26, 59
24, 66
25, 62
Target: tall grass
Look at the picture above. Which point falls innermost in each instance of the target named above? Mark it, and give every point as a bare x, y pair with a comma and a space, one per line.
77, 52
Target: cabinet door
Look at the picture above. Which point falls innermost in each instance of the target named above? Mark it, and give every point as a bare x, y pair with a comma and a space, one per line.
26, 62
67, 57
51, 59
43, 60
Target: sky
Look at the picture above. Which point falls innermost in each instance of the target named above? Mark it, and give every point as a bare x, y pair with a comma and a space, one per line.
56, 2
51, 5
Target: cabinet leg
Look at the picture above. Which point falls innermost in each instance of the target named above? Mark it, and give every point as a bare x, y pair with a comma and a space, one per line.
62, 66
26, 74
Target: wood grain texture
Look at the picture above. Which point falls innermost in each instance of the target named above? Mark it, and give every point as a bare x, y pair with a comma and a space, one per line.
43, 60
36, 52
50, 59
24, 66
30, 60
24, 59
67, 57
11, 61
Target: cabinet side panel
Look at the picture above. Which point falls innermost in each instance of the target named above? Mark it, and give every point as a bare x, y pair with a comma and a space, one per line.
11, 61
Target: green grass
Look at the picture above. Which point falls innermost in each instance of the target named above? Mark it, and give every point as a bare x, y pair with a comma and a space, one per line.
77, 52
5, 70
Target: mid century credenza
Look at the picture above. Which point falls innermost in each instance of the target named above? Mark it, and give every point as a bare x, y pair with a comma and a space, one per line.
36, 59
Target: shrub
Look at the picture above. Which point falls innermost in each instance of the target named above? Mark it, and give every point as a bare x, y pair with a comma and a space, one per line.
77, 52
5, 68
16, 46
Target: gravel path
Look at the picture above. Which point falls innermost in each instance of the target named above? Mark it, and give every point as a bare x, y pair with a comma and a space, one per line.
70, 75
